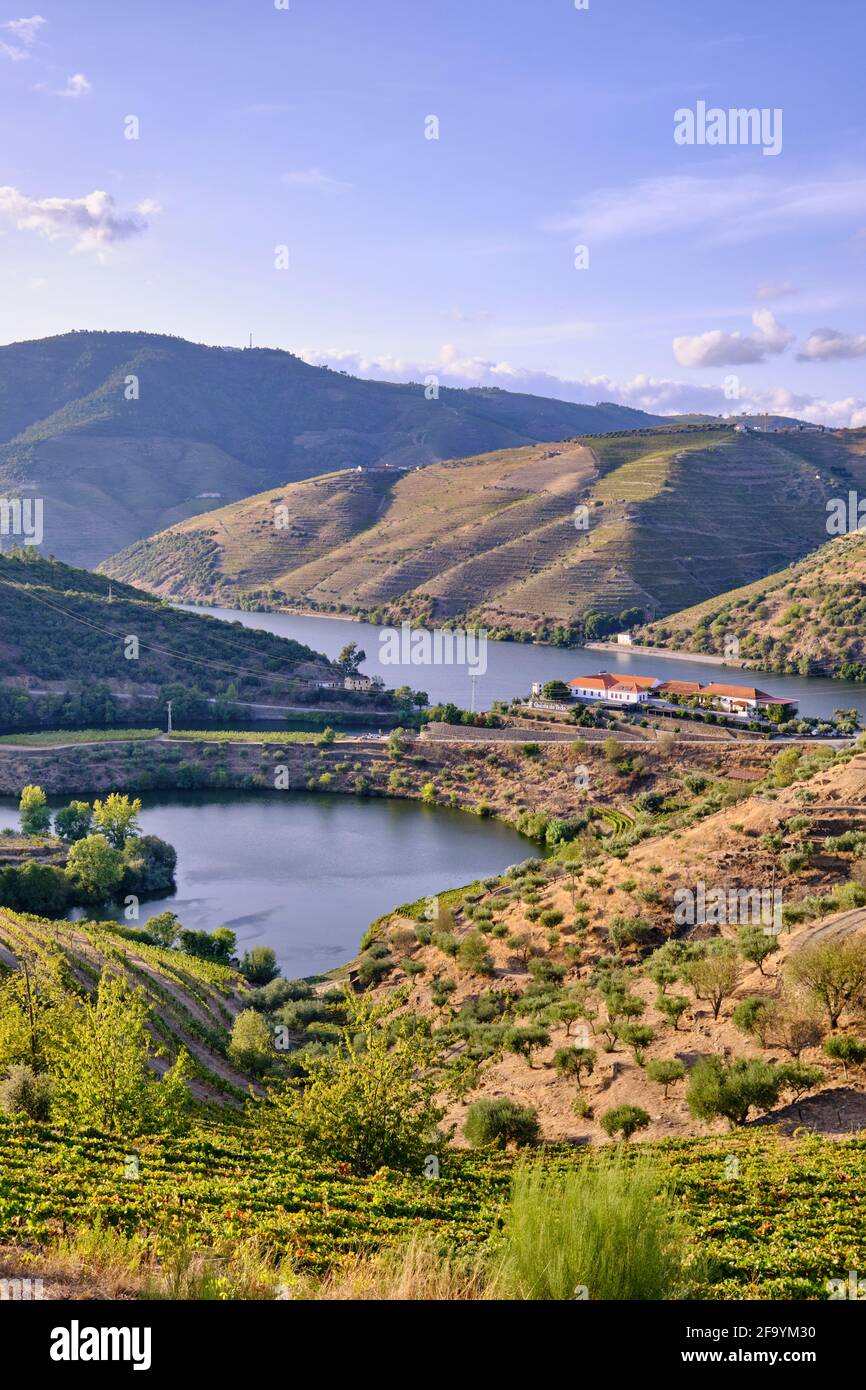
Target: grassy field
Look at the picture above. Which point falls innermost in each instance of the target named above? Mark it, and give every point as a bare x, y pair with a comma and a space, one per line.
252, 736
48, 738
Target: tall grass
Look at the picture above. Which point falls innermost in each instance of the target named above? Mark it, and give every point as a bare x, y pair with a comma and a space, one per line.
606, 1226
417, 1271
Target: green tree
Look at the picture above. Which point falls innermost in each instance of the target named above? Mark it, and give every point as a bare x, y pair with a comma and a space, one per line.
713, 977
34, 811
555, 690
625, 1120
252, 1046
95, 867
351, 659
103, 1079
22, 1092
673, 1006
756, 945
574, 1061
524, 1039
845, 1048
496, 1123
164, 928
717, 1089
149, 865
473, 956
370, 1102
259, 965
117, 818
74, 822
637, 1036
665, 1071
833, 973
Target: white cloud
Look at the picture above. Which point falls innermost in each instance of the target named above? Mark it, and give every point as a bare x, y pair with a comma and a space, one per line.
657, 395
719, 349
829, 345
76, 86
776, 289
92, 223
470, 315
315, 179
733, 207
24, 31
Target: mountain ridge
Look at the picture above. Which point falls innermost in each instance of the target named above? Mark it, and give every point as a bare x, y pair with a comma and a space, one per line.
123, 434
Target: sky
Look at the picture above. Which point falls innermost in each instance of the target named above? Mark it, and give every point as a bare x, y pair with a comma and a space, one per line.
495, 192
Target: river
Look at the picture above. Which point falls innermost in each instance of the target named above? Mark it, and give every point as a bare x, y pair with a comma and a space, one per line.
511, 667
307, 873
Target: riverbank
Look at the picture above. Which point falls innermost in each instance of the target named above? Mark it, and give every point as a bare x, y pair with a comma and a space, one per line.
701, 658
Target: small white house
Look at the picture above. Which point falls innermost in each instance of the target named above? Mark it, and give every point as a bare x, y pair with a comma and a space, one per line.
357, 682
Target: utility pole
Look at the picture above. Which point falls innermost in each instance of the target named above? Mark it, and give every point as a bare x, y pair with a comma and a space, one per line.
110, 592
169, 716
473, 680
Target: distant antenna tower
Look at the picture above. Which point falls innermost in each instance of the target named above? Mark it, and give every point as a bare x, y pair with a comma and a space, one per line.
251, 340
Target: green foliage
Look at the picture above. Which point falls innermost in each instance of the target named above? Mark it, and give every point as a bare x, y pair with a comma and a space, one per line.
624, 1120
95, 867
34, 811
74, 822
22, 1092
833, 973
665, 1071
604, 1227
259, 965
117, 818
496, 1123
251, 1046
370, 1102
102, 1074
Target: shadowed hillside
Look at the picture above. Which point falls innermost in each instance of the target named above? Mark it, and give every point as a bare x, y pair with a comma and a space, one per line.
123, 434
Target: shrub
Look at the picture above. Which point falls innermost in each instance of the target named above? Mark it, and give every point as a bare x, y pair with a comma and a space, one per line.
473, 956
625, 1120
495, 1123
730, 1091
833, 973
602, 1226
848, 1050
251, 1046
24, 1093
665, 1071
259, 965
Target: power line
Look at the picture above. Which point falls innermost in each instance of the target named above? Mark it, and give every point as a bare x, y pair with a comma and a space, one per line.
148, 646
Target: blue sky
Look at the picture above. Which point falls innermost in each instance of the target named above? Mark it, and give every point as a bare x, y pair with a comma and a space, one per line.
712, 269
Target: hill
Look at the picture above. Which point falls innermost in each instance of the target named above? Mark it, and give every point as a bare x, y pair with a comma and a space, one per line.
123, 434
809, 617
66, 629
670, 517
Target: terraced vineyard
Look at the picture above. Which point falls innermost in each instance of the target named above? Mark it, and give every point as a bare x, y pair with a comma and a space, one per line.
193, 1001
781, 1218
495, 538
807, 617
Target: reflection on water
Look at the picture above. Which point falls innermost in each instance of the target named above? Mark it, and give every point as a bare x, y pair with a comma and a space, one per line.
306, 873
